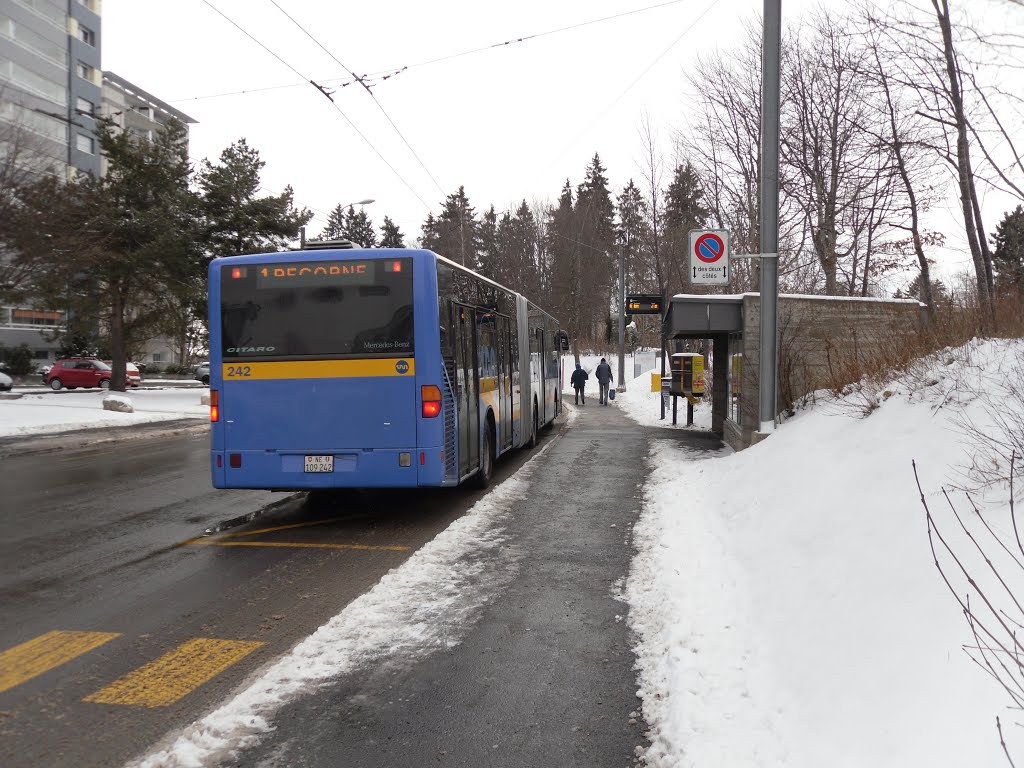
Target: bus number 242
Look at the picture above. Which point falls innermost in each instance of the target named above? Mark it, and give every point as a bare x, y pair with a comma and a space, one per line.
237, 371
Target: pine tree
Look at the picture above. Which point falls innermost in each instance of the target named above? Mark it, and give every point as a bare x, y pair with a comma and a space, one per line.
517, 238
568, 299
632, 233
1008, 258
119, 253
595, 231
684, 210
235, 220
335, 224
390, 235
491, 262
913, 291
455, 233
358, 228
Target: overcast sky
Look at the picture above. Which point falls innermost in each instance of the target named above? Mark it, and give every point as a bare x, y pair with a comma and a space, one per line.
508, 123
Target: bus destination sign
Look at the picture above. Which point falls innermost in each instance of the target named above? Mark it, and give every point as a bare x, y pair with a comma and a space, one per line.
311, 274
643, 305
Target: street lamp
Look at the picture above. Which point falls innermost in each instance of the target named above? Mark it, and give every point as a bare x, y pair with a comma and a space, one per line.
361, 202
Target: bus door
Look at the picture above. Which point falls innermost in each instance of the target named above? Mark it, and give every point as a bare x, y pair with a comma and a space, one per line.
504, 383
467, 392
542, 384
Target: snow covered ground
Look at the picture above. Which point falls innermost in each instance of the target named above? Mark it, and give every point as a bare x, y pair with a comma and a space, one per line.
787, 604
785, 599
39, 412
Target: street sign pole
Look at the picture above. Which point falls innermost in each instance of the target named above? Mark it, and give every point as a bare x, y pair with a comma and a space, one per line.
622, 318
770, 64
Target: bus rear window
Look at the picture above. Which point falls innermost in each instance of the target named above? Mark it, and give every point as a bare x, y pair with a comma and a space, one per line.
322, 309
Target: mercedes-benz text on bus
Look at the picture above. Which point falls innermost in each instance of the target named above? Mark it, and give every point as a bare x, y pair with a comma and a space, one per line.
355, 368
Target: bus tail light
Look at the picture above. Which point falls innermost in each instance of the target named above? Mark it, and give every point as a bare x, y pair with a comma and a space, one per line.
431, 397
214, 405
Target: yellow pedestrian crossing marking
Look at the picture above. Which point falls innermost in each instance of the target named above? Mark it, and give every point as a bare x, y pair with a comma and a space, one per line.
175, 674
33, 658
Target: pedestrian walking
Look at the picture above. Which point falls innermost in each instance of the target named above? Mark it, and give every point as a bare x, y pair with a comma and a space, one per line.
579, 381
603, 372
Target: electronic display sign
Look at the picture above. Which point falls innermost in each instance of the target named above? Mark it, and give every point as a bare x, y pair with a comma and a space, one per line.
643, 305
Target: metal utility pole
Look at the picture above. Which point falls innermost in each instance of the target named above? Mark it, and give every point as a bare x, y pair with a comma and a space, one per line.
622, 319
770, 66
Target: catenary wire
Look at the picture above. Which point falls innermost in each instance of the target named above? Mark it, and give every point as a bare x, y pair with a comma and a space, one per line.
386, 74
324, 91
373, 96
523, 39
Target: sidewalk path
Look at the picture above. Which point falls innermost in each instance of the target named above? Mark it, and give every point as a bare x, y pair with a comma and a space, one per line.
545, 676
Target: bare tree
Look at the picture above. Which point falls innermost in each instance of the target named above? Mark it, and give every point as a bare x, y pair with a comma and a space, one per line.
651, 257
23, 160
837, 175
935, 62
907, 136
723, 143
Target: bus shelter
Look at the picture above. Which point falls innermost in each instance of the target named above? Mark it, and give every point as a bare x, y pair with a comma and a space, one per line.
709, 318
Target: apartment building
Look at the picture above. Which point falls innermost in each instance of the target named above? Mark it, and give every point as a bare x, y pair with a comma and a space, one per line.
51, 83
52, 90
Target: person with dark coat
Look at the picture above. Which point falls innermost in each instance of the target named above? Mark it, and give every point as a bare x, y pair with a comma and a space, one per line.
603, 372
579, 381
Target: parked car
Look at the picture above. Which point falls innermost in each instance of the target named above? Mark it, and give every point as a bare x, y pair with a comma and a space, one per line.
74, 372
133, 376
5, 382
203, 372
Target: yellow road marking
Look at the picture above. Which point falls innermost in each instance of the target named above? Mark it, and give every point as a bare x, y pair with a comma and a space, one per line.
280, 528
175, 674
309, 545
33, 658
221, 536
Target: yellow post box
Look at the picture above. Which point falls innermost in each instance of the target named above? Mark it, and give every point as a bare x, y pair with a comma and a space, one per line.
693, 374
688, 374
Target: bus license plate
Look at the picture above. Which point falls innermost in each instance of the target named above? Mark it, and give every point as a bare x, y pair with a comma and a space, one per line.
319, 464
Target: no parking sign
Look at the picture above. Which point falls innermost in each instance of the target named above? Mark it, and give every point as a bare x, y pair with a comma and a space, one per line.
709, 256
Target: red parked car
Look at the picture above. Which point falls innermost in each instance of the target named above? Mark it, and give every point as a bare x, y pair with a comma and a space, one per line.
73, 372
133, 377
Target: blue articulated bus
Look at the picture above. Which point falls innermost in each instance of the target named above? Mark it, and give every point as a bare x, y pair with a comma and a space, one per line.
342, 367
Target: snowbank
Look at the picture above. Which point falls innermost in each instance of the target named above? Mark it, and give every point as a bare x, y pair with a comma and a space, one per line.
787, 604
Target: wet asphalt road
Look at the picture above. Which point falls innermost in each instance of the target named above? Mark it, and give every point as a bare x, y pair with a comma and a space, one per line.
545, 676
101, 539
100, 542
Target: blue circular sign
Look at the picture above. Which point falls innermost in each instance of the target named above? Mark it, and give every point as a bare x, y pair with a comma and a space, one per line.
402, 366
709, 248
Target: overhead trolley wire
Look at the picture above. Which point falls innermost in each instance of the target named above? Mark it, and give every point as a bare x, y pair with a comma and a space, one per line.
525, 38
324, 91
256, 90
363, 83
386, 74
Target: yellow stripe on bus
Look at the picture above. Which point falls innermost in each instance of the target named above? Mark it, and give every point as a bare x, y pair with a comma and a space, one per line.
319, 369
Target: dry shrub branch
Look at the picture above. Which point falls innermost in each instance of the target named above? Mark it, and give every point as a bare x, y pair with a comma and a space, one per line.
985, 593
